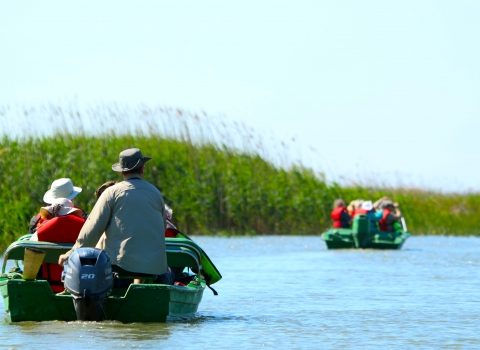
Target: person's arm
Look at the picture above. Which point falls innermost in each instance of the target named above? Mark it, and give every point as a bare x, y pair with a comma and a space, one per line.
398, 213
93, 228
33, 224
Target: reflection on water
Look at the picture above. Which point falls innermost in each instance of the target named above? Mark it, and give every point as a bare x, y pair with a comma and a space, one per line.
290, 292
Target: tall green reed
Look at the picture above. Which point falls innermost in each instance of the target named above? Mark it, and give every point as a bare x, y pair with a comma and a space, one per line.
219, 177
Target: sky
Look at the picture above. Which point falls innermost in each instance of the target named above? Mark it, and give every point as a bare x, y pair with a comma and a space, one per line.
386, 92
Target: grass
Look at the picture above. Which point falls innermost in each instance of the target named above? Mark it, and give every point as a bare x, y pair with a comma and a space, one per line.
219, 178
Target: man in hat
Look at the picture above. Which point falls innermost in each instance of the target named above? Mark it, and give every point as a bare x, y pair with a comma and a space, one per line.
132, 215
391, 216
60, 188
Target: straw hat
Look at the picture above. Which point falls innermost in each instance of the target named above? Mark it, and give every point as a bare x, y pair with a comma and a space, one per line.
61, 188
60, 207
129, 160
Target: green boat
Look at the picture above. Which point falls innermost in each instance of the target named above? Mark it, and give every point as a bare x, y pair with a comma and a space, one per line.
33, 300
359, 236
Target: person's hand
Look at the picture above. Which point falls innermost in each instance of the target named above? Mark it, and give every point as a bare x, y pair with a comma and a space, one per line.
395, 205
62, 259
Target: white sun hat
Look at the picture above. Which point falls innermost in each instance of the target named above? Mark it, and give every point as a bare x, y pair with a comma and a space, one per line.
367, 205
60, 207
61, 188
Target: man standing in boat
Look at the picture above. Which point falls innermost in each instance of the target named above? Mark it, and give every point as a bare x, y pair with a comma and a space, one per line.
132, 215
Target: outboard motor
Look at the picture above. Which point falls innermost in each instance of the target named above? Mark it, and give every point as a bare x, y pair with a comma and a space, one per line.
88, 279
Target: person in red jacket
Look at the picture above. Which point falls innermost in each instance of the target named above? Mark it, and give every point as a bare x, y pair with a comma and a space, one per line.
391, 217
60, 188
340, 217
61, 223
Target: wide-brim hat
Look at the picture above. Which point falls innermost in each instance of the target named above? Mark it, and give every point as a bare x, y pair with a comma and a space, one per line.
130, 159
61, 188
65, 207
367, 205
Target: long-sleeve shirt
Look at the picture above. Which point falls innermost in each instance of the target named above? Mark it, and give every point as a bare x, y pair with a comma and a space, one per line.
132, 215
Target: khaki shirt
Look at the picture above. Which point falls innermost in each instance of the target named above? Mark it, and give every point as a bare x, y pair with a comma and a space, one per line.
132, 215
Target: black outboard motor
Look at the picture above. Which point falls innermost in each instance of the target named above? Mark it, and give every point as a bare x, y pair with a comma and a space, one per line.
88, 278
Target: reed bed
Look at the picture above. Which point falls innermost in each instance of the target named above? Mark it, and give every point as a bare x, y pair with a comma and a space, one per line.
220, 178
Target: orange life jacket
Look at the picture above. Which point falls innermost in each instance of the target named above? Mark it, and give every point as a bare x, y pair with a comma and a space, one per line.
383, 220
60, 229
336, 216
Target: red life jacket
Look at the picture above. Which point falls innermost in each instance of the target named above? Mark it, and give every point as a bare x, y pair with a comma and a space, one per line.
61, 229
336, 215
360, 211
171, 232
383, 220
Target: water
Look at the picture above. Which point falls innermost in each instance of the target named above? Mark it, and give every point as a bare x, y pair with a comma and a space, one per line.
293, 293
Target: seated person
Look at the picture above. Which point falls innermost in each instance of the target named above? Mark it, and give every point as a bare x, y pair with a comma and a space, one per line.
61, 223
391, 216
380, 202
131, 214
353, 206
60, 188
340, 217
372, 215
170, 231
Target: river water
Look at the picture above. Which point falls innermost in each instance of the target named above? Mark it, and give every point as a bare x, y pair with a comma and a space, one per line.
290, 292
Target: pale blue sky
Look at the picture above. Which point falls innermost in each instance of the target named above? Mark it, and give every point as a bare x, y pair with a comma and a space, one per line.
380, 89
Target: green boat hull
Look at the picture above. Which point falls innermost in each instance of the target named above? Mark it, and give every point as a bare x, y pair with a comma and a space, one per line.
342, 238
35, 301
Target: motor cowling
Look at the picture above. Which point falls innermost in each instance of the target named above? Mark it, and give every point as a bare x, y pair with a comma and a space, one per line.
88, 278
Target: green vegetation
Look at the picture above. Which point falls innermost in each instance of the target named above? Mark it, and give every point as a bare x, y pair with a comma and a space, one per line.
212, 186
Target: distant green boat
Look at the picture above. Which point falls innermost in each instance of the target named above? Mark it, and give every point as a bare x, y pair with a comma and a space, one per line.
359, 237
26, 300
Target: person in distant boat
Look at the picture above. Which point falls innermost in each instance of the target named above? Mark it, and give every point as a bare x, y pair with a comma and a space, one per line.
378, 204
132, 215
391, 216
340, 217
61, 223
353, 206
373, 215
60, 188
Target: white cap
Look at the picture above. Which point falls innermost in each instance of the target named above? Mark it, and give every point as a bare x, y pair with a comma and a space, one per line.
367, 205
